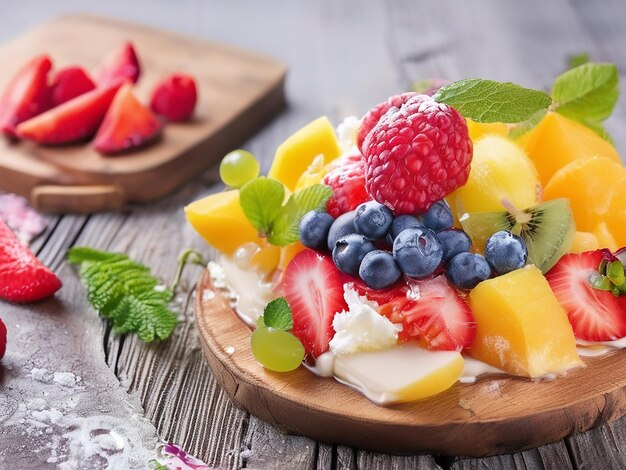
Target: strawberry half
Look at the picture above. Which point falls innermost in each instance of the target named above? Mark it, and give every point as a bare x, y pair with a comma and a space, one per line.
346, 177
430, 310
122, 64
595, 315
74, 120
127, 124
3, 339
26, 95
313, 288
23, 278
69, 83
175, 97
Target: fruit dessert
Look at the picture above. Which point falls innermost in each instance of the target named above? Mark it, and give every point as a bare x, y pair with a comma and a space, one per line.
440, 237
70, 106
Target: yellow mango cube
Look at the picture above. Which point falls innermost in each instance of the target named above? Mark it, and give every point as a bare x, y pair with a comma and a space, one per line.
478, 129
557, 141
219, 219
584, 241
520, 326
296, 153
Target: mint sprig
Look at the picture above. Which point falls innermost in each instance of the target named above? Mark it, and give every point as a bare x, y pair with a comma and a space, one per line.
491, 101
588, 92
277, 314
264, 209
126, 293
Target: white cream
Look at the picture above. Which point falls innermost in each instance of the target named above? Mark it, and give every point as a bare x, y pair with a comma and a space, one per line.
598, 348
473, 368
346, 133
385, 377
361, 327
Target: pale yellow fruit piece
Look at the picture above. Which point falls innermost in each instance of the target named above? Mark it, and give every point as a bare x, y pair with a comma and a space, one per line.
288, 252
606, 238
584, 241
478, 129
314, 174
520, 326
296, 153
557, 141
265, 260
219, 219
588, 183
615, 217
500, 169
401, 374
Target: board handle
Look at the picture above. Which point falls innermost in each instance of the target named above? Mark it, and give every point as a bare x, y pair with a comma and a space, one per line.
77, 199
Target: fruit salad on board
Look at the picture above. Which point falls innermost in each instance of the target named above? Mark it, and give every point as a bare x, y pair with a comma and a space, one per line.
475, 229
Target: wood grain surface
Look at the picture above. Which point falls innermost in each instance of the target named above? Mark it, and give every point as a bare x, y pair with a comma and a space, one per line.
239, 91
343, 57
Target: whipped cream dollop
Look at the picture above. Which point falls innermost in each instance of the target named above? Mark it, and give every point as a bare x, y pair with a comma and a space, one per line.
361, 327
346, 133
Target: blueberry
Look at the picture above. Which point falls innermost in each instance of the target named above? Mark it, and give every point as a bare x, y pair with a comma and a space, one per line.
417, 251
313, 229
438, 217
402, 222
349, 251
379, 269
373, 220
505, 252
453, 241
466, 270
342, 226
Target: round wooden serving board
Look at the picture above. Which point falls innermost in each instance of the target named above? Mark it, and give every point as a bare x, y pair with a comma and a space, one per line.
495, 415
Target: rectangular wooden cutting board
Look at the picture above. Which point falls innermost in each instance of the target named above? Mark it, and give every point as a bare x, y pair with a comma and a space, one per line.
239, 91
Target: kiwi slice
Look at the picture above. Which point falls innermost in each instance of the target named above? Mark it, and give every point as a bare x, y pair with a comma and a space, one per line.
547, 228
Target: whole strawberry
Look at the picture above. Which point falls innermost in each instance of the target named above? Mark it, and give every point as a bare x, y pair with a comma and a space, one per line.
416, 155
23, 278
347, 180
3, 339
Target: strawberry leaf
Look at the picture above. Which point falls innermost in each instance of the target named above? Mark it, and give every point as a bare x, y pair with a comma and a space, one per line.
125, 292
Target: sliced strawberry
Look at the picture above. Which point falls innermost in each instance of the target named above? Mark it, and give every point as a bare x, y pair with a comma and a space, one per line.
346, 177
313, 287
3, 339
122, 64
127, 124
175, 97
595, 315
26, 95
430, 310
74, 120
69, 83
23, 278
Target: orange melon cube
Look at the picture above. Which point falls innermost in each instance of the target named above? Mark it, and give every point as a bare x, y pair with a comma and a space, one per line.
520, 326
557, 141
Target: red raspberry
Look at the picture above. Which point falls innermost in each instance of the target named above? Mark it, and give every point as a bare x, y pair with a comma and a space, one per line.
373, 115
175, 97
347, 180
417, 155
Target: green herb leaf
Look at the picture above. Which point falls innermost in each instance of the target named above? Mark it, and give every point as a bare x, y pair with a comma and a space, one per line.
490, 101
615, 272
125, 292
522, 128
586, 93
261, 200
284, 229
576, 60
600, 282
277, 314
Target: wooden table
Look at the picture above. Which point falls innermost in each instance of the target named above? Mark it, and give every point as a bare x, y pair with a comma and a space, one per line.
343, 58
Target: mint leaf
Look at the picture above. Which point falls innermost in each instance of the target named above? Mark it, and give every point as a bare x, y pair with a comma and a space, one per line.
586, 93
261, 200
284, 229
490, 101
522, 128
575, 60
277, 314
125, 292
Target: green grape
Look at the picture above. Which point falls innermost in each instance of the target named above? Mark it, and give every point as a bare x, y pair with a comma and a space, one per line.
277, 350
238, 167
